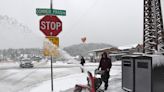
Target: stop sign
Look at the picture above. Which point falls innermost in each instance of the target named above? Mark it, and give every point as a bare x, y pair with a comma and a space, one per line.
50, 25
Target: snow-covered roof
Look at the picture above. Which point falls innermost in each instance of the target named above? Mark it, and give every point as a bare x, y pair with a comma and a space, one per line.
127, 46
96, 50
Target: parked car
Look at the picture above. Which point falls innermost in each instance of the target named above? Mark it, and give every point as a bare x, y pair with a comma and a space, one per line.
26, 63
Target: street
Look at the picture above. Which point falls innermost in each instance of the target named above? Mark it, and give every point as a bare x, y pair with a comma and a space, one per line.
15, 79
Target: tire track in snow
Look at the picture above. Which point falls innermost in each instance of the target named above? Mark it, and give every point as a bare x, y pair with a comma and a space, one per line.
26, 76
6, 76
12, 74
56, 75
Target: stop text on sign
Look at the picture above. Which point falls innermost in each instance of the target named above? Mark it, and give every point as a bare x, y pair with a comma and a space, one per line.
47, 25
50, 25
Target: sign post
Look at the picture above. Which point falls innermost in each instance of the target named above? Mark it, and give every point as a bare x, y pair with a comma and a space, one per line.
51, 26
52, 86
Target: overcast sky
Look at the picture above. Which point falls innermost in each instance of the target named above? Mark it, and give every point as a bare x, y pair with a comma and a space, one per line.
117, 22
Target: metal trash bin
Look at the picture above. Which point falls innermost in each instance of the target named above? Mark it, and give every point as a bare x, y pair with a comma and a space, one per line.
128, 73
149, 73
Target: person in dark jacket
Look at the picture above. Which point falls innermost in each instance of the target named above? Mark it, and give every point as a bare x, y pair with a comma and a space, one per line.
105, 65
82, 63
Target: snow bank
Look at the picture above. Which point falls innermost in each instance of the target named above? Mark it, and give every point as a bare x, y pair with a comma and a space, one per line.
61, 84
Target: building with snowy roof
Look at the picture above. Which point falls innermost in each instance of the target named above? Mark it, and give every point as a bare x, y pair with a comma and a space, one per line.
112, 52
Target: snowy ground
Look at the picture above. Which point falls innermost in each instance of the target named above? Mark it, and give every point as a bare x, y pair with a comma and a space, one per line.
114, 81
15, 79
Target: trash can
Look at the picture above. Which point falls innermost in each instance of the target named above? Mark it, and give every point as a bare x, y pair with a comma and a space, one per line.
128, 73
149, 73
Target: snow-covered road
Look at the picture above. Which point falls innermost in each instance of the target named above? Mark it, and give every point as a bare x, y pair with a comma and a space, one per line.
26, 80
15, 80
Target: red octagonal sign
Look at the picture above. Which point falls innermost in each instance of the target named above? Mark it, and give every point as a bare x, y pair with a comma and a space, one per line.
50, 25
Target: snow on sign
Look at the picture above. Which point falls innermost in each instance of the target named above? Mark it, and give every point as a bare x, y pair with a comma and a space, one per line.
50, 50
54, 40
50, 25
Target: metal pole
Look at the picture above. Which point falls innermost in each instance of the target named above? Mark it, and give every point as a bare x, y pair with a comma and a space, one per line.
51, 6
51, 75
